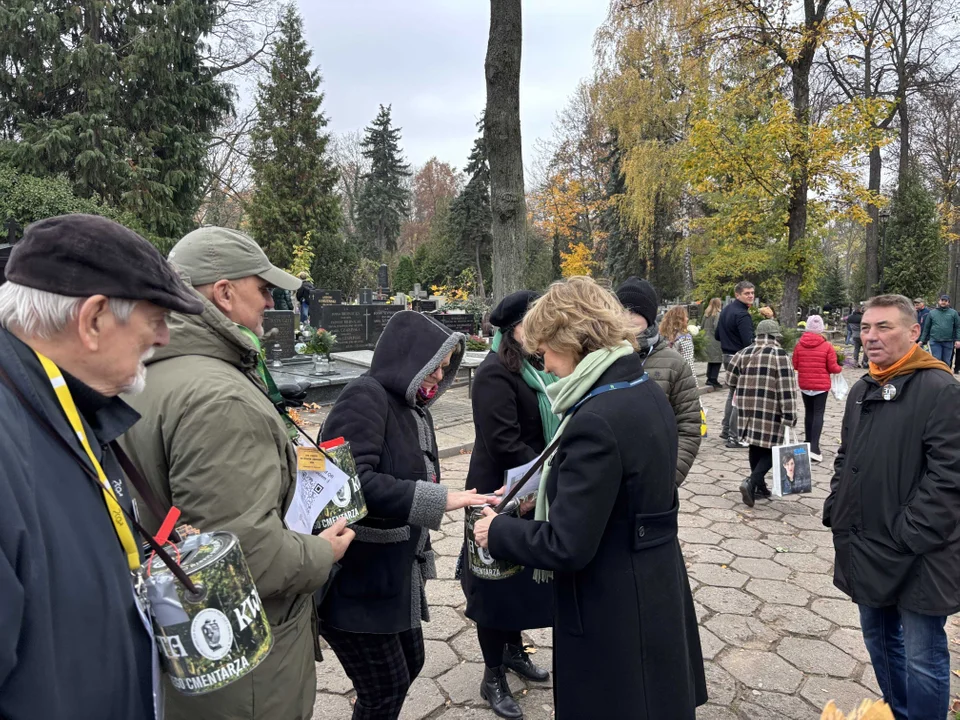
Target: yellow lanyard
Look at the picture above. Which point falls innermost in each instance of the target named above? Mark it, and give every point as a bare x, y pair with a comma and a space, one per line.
113, 507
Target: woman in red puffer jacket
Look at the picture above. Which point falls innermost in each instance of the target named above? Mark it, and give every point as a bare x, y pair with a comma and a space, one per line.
815, 360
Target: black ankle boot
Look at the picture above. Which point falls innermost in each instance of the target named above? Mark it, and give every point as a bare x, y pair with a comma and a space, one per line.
515, 658
762, 490
746, 492
495, 691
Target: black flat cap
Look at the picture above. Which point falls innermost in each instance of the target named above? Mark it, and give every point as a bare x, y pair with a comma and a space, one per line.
512, 308
84, 255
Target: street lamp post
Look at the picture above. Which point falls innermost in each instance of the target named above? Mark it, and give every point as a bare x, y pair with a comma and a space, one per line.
884, 218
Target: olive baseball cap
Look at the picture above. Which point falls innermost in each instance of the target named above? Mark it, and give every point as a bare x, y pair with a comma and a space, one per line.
80, 255
769, 327
211, 254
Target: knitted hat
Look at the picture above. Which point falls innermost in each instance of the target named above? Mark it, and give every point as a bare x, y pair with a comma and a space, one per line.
769, 327
512, 308
638, 296
815, 324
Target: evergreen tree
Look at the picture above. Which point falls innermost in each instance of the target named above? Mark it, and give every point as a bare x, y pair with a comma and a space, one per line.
622, 259
470, 217
832, 289
916, 254
406, 276
384, 200
117, 97
293, 176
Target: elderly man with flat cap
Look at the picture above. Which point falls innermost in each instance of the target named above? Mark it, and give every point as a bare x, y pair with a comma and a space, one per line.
214, 443
85, 305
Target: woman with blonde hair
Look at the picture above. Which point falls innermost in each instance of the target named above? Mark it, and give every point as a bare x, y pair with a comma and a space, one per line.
605, 526
673, 328
714, 353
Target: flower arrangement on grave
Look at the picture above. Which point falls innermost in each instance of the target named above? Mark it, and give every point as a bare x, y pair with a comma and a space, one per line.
841, 355
318, 342
476, 344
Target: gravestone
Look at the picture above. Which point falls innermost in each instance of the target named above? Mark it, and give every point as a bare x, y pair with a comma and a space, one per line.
459, 322
347, 322
383, 279
366, 296
377, 318
326, 297
285, 323
425, 305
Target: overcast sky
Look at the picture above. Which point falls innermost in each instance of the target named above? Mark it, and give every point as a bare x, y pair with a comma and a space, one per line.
425, 57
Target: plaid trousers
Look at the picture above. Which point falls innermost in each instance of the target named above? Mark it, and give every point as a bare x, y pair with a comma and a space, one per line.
381, 667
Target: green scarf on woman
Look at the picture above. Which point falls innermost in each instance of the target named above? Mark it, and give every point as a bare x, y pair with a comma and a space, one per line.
564, 394
538, 381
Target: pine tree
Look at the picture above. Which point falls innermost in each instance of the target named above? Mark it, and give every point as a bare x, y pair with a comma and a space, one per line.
916, 254
832, 289
470, 216
384, 200
406, 276
293, 175
622, 259
117, 97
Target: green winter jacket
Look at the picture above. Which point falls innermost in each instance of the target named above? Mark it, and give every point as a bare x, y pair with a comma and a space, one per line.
211, 443
670, 371
941, 325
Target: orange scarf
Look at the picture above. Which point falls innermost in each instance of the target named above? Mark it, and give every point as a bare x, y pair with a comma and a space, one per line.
916, 359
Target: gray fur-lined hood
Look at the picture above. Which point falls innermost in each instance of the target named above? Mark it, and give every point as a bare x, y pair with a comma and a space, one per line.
411, 347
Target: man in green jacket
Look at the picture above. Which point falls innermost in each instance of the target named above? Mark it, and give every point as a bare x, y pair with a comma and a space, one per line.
942, 330
213, 444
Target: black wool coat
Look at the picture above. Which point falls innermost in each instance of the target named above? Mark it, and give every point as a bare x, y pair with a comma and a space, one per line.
506, 416
626, 642
734, 328
380, 585
894, 503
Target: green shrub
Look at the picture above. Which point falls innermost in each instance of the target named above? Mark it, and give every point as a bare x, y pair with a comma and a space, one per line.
700, 346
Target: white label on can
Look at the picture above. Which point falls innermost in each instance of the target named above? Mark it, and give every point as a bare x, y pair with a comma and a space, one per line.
212, 634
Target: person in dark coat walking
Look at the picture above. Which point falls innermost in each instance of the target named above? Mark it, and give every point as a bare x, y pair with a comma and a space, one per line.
894, 509
514, 423
626, 642
711, 318
853, 329
735, 332
372, 612
86, 300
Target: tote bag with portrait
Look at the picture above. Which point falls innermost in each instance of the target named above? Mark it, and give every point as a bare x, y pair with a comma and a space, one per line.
791, 467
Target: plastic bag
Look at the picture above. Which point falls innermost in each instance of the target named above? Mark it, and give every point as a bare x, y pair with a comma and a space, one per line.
839, 386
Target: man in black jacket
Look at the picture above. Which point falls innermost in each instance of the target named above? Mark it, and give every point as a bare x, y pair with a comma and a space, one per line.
853, 329
86, 302
735, 332
894, 509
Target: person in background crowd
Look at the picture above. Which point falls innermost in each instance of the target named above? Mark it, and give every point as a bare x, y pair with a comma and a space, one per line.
714, 353
372, 613
674, 329
511, 412
304, 293
942, 330
84, 304
853, 330
626, 642
920, 306
281, 299
215, 445
666, 367
894, 510
815, 360
762, 379
735, 332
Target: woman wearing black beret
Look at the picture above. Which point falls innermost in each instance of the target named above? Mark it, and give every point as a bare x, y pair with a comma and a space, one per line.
514, 424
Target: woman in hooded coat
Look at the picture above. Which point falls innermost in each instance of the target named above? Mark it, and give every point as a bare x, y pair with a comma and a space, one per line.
372, 611
514, 423
626, 641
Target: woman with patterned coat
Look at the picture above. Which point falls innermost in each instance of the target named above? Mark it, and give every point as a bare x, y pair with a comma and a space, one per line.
766, 397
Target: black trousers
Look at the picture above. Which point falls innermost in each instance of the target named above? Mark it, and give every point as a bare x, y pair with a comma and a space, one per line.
713, 373
492, 642
761, 460
813, 408
381, 667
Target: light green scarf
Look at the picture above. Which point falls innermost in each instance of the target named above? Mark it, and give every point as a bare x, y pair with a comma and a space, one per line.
538, 381
564, 394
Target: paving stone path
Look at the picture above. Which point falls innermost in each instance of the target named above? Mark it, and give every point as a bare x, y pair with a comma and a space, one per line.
779, 640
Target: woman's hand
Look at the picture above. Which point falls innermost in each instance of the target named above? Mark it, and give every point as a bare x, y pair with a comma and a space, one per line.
481, 528
467, 498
